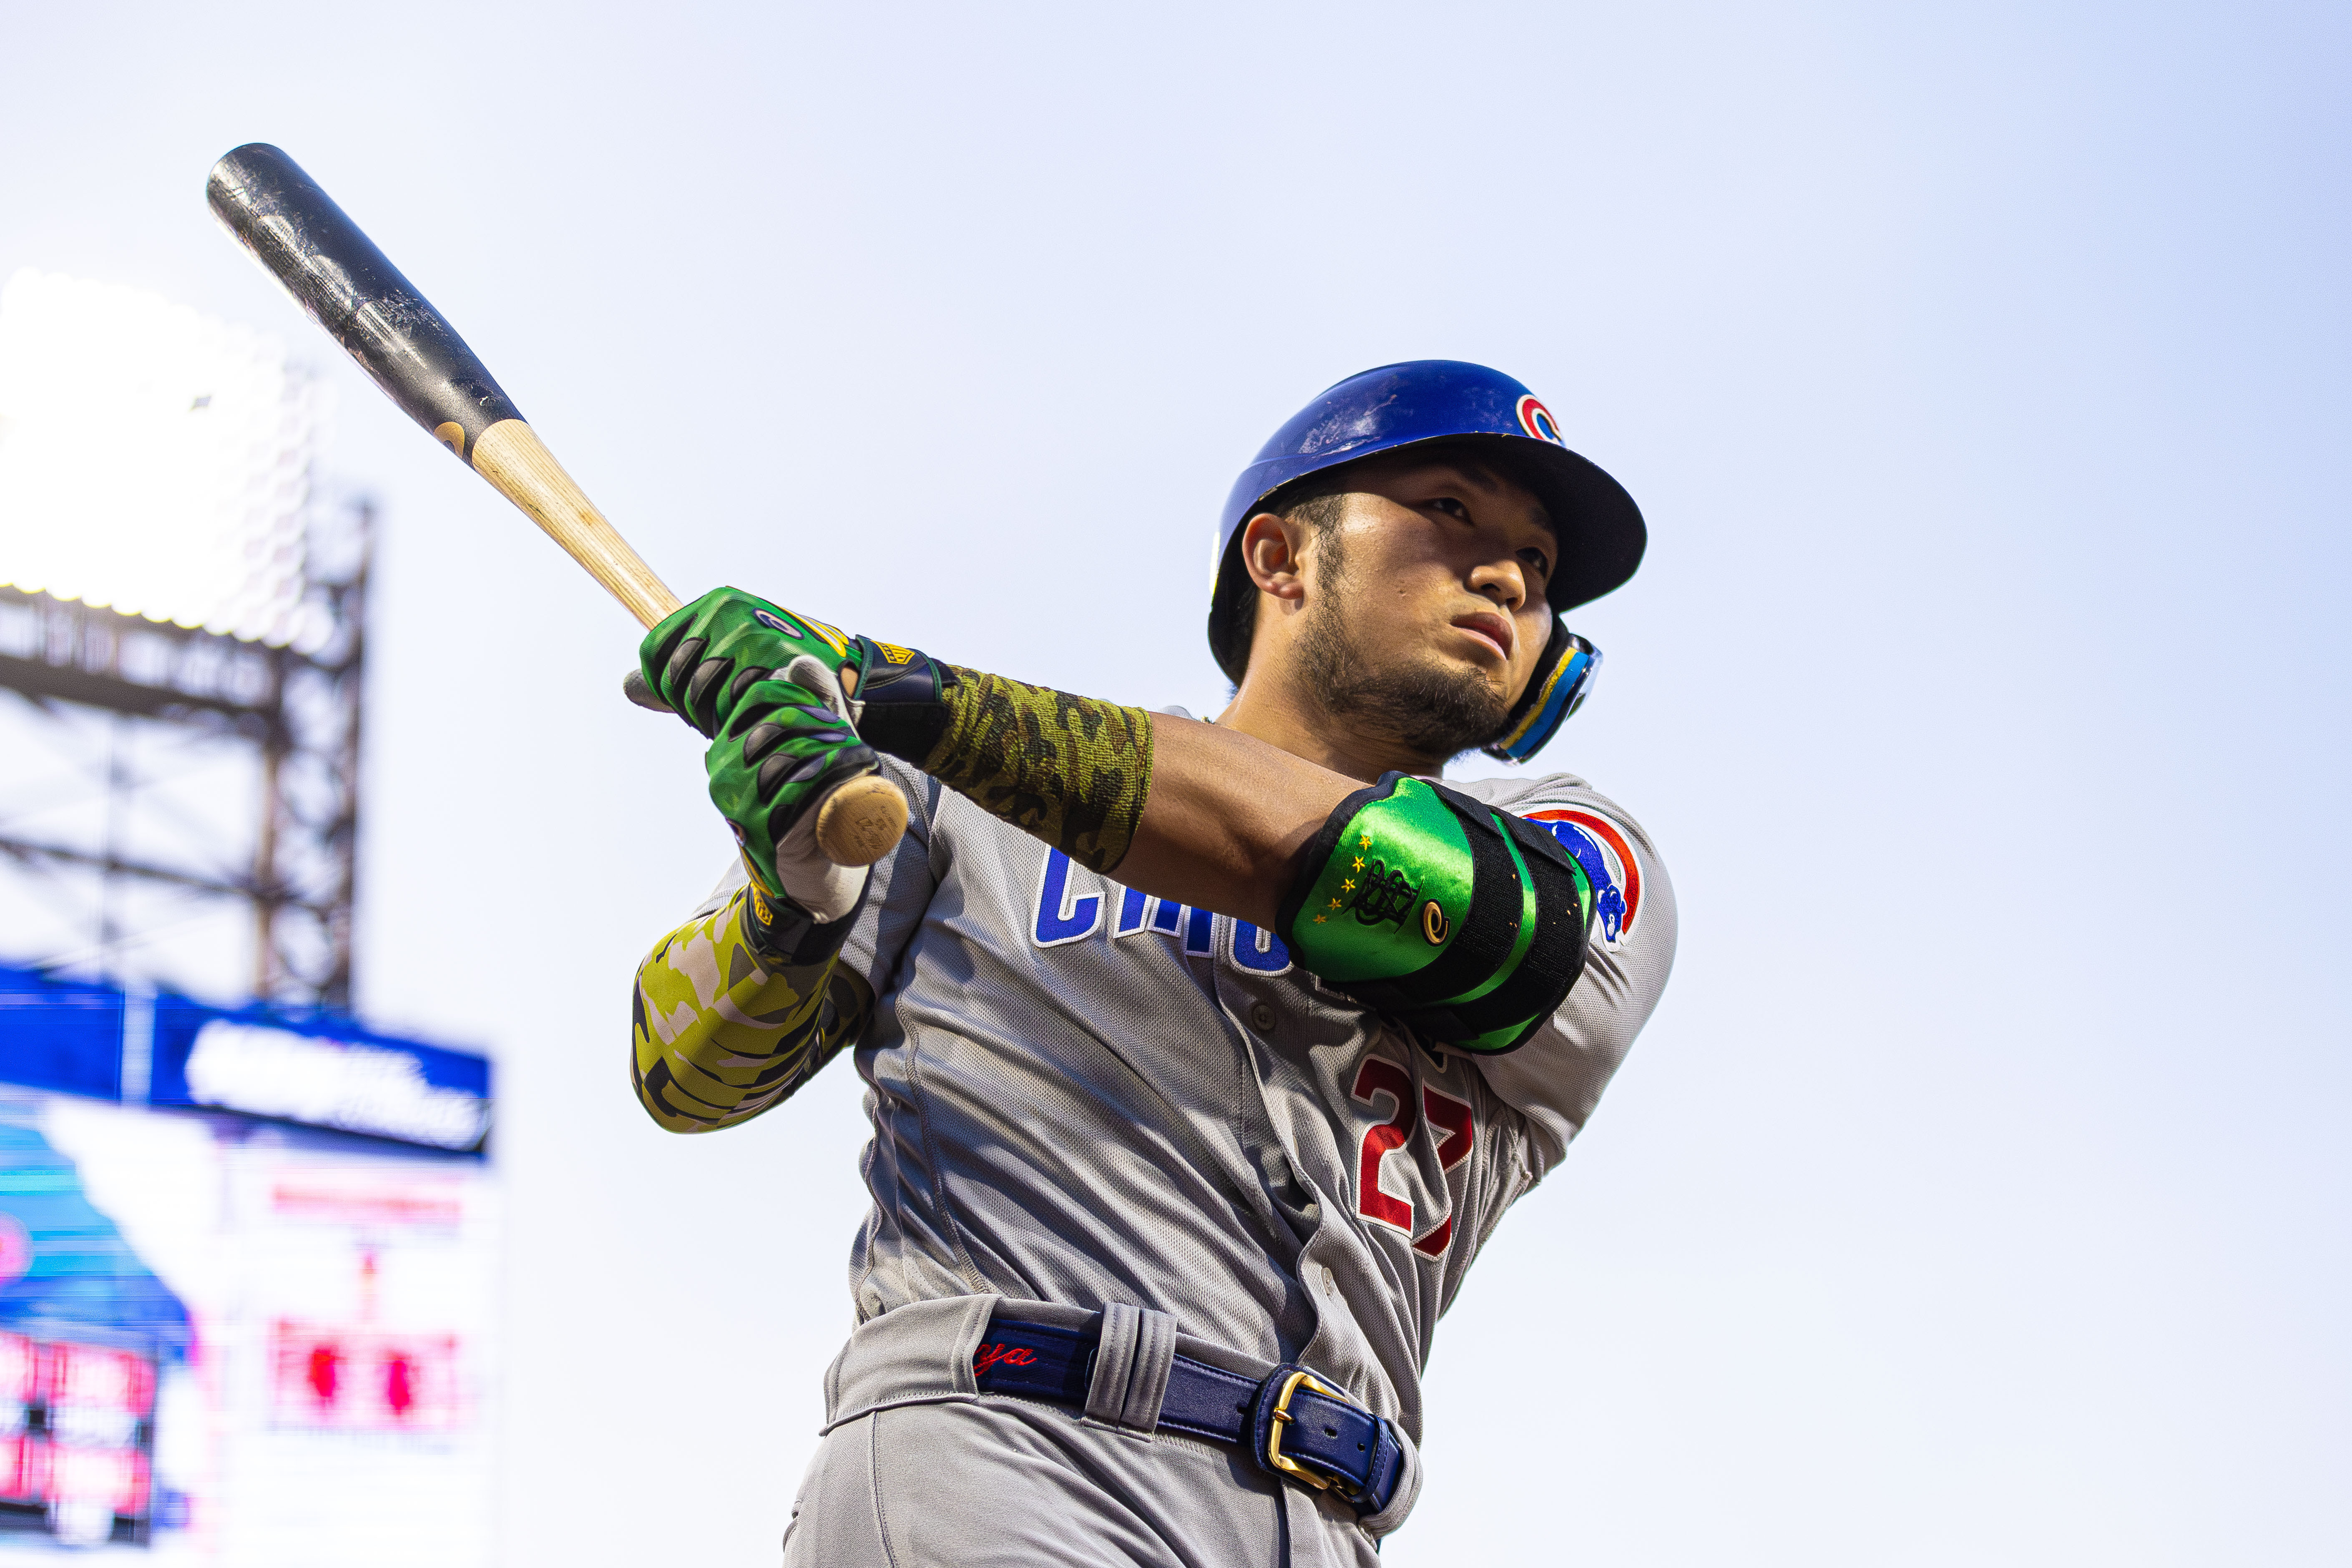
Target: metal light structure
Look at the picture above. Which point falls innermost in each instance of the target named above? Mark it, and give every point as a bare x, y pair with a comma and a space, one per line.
174, 594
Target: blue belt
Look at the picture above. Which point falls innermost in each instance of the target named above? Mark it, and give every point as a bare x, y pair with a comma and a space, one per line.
1289, 1421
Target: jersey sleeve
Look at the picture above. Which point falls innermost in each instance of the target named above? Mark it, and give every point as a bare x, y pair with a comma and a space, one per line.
1556, 1079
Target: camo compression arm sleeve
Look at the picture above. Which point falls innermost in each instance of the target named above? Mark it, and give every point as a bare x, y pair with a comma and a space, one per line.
736, 1010
1069, 770
1463, 923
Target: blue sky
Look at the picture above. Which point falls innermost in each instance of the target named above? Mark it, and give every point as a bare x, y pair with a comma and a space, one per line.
1976, 1194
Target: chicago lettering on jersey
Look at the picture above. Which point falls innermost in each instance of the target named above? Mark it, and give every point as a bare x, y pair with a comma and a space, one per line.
1071, 903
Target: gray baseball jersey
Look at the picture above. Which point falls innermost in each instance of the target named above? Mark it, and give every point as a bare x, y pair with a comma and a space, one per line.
1084, 1095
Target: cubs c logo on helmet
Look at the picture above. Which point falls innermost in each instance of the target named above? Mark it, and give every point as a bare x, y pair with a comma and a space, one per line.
1537, 422
1600, 846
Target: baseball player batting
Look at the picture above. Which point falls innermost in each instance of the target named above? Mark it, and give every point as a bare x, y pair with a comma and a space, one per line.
1201, 1059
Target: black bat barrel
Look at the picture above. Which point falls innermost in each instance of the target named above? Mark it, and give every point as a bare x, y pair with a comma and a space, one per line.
335, 272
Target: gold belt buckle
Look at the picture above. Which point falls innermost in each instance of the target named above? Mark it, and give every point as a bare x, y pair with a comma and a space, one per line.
1282, 1417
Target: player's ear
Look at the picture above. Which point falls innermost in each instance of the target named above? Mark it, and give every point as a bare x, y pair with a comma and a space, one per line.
1274, 549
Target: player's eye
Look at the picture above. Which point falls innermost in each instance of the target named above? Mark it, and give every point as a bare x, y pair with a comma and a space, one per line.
1537, 562
1451, 508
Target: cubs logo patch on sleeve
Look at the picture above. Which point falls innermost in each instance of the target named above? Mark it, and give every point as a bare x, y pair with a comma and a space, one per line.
1601, 846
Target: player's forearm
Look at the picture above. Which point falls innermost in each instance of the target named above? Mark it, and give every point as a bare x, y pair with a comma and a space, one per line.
723, 1028
1227, 819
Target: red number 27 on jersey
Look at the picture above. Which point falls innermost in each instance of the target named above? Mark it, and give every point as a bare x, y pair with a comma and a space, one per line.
1379, 1078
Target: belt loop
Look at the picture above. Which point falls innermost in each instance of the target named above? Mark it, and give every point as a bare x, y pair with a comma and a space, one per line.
920, 1352
1131, 1366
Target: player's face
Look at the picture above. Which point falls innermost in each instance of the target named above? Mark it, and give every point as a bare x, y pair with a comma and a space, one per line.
1431, 611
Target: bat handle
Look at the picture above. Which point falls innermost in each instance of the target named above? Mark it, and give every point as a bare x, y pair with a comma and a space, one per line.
511, 455
860, 822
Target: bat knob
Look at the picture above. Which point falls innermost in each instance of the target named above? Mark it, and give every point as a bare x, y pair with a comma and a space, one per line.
861, 822
858, 822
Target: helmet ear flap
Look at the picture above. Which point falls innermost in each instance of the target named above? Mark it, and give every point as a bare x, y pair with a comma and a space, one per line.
1562, 679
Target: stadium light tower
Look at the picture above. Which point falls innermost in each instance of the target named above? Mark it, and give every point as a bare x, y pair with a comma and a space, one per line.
183, 616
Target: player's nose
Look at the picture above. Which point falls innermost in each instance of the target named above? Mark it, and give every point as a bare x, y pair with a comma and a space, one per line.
1503, 582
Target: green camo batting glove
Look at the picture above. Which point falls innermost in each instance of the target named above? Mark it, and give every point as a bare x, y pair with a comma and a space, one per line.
765, 685
704, 656
784, 748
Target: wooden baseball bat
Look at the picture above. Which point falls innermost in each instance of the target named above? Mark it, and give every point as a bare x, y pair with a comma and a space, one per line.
301, 239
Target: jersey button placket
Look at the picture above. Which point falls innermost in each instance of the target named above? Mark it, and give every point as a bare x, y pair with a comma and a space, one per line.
1261, 1018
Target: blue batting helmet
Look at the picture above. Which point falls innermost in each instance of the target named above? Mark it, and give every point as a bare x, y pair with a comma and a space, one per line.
1424, 402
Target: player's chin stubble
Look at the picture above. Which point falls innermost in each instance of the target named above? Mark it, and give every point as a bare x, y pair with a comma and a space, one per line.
1436, 710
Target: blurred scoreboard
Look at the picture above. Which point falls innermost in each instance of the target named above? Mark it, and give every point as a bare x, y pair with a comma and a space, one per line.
248, 1270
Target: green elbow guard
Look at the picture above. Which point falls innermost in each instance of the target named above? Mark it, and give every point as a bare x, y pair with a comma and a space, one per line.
1464, 924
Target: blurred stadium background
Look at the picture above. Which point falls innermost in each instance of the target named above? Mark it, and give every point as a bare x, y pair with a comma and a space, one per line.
248, 1247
